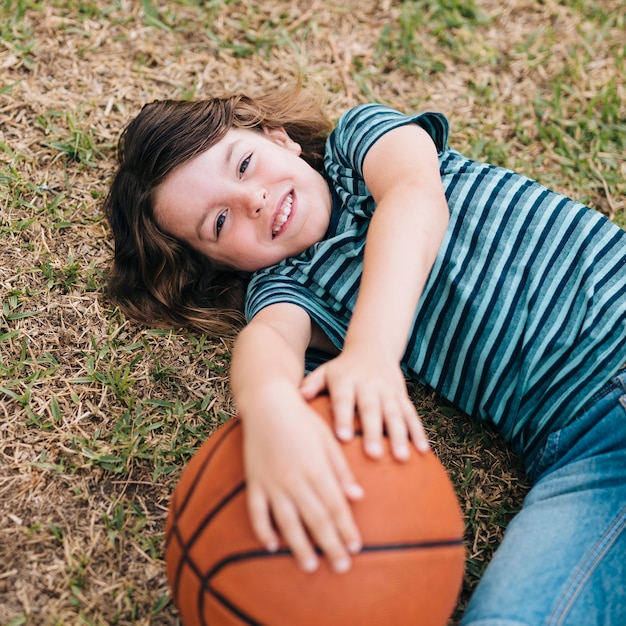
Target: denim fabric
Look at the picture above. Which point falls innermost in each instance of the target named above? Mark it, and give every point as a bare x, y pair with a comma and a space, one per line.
563, 557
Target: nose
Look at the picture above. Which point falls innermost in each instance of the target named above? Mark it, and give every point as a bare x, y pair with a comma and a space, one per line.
253, 201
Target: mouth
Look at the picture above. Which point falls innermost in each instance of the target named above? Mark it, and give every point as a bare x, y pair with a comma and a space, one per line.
282, 215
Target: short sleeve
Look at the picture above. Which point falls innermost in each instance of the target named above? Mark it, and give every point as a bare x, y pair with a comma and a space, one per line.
356, 132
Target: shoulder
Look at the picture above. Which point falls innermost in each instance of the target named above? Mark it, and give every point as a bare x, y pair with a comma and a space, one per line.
360, 127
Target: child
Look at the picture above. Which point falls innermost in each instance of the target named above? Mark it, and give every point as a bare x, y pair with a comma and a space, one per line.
393, 256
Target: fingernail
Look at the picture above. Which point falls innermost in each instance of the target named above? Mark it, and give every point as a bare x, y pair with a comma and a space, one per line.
423, 445
355, 491
341, 565
354, 547
402, 452
344, 433
309, 565
271, 545
374, 448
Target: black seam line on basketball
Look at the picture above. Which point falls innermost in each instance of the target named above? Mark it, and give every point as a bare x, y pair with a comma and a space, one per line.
206, 580
382, 547
222, 436
179, 568
421, 545
185, 546
212, 513
225, 602
177, 510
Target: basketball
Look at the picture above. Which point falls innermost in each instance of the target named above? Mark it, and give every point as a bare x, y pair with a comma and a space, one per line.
409, 571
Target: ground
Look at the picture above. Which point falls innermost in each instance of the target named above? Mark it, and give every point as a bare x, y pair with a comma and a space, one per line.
98, 415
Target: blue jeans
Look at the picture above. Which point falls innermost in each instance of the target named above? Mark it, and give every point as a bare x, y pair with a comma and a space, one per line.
563, 557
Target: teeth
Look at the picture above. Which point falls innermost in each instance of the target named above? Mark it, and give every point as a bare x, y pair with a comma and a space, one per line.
283, 215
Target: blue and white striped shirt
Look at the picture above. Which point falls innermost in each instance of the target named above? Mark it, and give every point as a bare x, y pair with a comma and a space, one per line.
523, 317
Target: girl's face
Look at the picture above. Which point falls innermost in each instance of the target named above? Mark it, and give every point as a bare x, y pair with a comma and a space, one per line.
247, 202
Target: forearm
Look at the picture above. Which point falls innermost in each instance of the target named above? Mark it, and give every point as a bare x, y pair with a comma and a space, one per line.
402, 244
262, 363
268, 359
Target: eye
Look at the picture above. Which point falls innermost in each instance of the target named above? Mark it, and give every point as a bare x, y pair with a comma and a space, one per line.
219, 222
244, 165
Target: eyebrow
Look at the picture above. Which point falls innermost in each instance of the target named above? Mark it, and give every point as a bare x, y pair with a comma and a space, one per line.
230, 149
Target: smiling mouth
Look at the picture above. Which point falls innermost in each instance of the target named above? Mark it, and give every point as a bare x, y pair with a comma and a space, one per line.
283, 215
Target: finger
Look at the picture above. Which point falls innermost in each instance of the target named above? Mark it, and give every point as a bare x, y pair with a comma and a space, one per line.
331, 524
343, 413
290, 526
348, 530
313, 384
320, 514
343, 472
371, 416
417, 433
325, 526
397, 432
260, 518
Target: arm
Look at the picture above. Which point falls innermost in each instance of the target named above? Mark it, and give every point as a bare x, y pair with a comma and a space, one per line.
296, 471
402, 172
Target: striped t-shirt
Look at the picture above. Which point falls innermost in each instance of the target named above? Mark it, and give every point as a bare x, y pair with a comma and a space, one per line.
523, 317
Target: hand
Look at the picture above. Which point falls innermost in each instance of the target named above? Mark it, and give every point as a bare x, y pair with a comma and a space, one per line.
358, 379
297, 474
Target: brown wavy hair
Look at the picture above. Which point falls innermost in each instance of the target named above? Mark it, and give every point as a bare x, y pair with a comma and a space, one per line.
157, 279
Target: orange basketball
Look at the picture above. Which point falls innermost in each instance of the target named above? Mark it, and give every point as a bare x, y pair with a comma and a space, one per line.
409, 571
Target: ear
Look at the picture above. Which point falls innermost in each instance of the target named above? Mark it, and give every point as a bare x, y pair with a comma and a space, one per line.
279, 135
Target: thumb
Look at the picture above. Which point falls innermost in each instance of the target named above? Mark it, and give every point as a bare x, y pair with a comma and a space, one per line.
314, 383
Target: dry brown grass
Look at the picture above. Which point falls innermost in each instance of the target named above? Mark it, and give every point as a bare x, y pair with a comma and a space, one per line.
98, 415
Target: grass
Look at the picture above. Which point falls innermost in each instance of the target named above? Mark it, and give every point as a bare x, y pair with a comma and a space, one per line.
98, 416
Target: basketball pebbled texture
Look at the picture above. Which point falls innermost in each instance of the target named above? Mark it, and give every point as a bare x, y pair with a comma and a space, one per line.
409, 571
